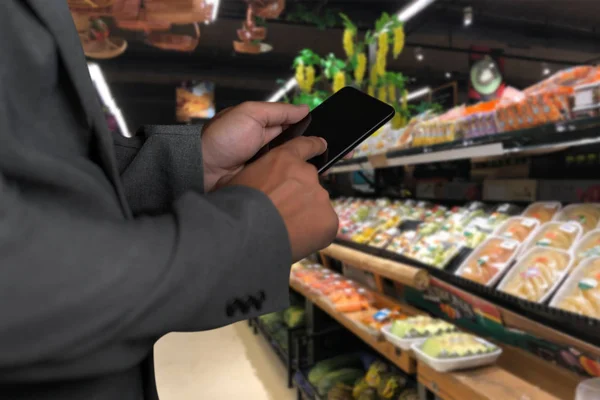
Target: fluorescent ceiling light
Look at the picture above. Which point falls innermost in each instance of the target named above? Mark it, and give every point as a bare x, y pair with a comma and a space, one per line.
106, 96
215, 10
278, 95
418, 93
413, 9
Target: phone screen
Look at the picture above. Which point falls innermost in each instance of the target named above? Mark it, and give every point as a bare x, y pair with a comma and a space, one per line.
344, 120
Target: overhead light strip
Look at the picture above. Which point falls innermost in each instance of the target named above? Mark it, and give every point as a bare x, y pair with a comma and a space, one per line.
215, 10
106, 96
418, 93
278, 95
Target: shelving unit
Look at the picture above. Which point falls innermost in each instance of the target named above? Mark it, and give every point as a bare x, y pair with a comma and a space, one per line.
544, 138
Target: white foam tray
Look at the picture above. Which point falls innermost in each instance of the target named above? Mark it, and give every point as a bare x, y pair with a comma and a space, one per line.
502, 268
572, 281
404, 344
459, 363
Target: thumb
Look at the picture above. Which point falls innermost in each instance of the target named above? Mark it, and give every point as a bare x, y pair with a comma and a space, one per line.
306, 147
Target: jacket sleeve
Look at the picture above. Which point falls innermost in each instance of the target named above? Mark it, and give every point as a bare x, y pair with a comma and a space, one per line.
82, 296
159, 164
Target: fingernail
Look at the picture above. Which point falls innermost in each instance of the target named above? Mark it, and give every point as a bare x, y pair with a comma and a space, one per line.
324, 141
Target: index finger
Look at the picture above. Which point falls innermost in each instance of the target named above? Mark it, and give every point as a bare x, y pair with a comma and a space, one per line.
306, 147
274, 114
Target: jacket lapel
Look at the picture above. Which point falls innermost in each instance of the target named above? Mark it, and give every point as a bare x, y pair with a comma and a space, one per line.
56, 16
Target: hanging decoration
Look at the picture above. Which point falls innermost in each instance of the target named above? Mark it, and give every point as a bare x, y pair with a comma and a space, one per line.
154, 18
253, 30
319, 77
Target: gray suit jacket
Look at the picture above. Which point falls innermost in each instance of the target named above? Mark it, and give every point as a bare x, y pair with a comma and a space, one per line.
104, 248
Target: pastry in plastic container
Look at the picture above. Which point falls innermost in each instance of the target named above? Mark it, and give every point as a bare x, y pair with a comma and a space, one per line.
558, 235
588, 215
587, 246
486, 264
542, 211
517, 228
537, 274
580, 293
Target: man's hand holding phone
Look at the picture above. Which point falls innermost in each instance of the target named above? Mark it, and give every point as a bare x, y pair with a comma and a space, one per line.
293, 186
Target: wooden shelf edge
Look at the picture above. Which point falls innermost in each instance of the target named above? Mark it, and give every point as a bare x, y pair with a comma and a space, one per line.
402, 359
489, 383
408, 275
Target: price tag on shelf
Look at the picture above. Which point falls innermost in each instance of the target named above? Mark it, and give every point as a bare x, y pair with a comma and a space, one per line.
378, 160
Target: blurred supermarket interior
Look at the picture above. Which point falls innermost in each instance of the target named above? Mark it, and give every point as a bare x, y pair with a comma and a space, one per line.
497, 104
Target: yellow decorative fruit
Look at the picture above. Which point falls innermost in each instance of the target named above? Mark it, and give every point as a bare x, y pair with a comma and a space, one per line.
392, 92
339, 81
398, 41
383, 47
361, 68
373, 75
382, 94
310, 77
371, 90
348, 42
397, 121
300, 76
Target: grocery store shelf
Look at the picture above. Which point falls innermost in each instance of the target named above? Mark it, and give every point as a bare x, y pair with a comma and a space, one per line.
402, 359
549, 137
490, 383
408, 275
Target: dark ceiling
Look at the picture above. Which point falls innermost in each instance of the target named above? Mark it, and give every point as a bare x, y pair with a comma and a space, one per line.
557, 32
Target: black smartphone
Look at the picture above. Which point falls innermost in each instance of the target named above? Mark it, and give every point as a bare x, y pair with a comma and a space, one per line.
344, 120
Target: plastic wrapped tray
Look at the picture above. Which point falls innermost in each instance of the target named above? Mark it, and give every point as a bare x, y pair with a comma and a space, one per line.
517, 269
572, 282
500, 267
457, 363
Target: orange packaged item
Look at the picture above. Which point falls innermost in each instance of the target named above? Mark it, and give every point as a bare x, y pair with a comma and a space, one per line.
542, 211
588, 215
537, 274
558, 235
518, 228
350, 300
580, 293
486, 264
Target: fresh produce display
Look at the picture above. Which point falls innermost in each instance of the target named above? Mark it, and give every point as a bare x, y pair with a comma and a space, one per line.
323, 368
537, 274
345, 376
376, 320
489, 260
435, 249
558, 235
420, 327
350, 300
588, 215
580, 294
454, 345
340, 391
546, 102
543, 211
294, 316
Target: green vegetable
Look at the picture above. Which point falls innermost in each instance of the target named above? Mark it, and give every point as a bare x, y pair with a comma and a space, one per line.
294, 316
340, 392
369, 394
324, 367
346, 376
390, 386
